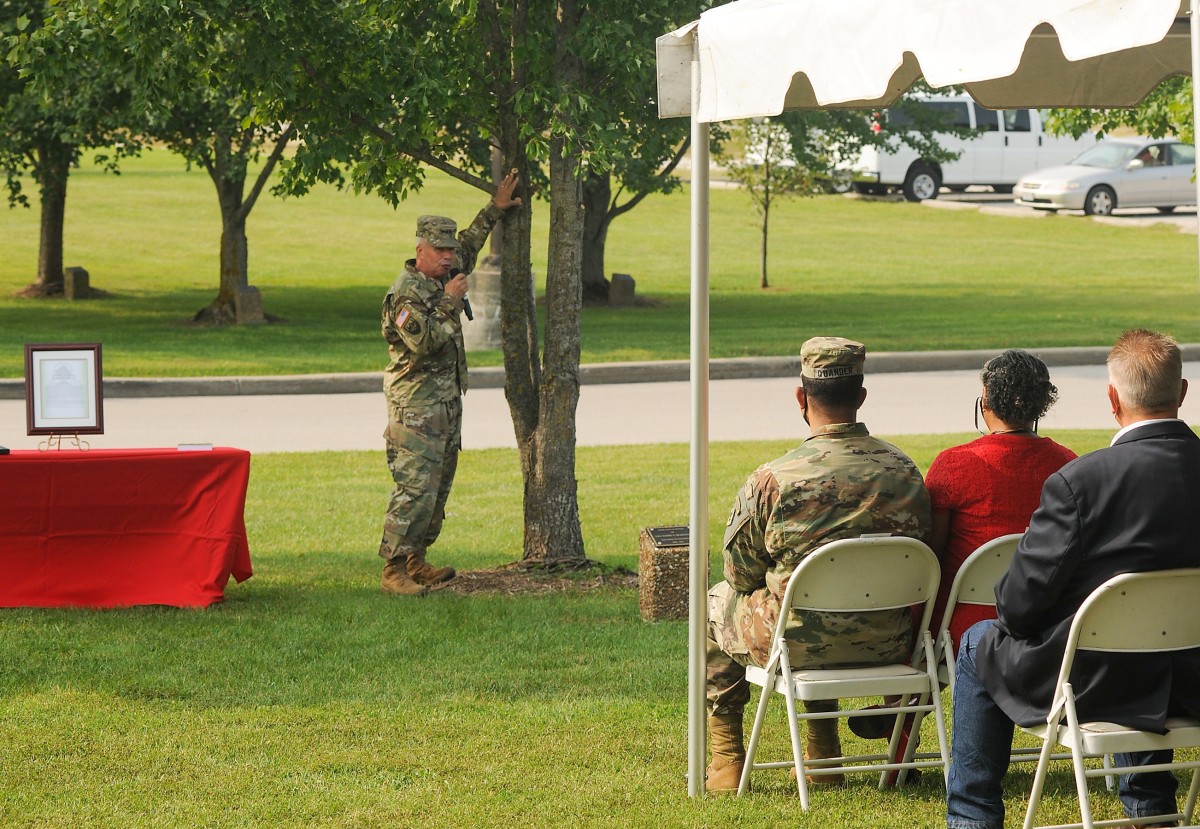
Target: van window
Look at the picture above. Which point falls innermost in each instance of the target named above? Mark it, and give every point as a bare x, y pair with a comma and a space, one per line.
986, 119
953, 114
1016, 120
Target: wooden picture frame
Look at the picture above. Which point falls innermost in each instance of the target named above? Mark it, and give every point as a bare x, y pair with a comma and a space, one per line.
64, 389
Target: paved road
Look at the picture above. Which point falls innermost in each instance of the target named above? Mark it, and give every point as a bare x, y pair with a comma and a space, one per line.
610, 414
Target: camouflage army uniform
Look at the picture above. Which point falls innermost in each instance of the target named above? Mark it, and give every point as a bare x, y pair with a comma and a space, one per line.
424, 383
840, 483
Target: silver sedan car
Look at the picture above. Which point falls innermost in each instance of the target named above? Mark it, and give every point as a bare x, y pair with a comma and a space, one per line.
1116, 172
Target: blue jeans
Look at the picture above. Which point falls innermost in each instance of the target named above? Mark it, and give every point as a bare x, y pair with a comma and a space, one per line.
982, 744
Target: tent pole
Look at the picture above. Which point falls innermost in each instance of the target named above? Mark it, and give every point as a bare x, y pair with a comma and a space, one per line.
1194, 28
698, 506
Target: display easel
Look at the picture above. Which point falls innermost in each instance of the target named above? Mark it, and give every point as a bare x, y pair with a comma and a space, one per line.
55, 443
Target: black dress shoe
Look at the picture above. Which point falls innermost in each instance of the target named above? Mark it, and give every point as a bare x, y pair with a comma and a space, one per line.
872, 727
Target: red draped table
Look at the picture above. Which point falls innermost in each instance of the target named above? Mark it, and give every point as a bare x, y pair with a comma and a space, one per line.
114, 528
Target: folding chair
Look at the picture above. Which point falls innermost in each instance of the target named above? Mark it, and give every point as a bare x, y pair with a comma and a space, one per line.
849, 576
975, 584
1130, 613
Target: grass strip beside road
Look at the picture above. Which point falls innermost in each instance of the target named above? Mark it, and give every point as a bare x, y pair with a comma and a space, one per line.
310, 699
900, 277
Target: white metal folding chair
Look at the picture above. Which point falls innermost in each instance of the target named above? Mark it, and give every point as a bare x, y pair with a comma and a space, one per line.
849, 576
1129, 613
974, 584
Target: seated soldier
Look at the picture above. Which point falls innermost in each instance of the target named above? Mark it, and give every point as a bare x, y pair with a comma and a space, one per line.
840, 483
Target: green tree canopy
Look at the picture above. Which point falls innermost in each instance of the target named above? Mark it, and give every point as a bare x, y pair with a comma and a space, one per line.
1165, 111
195, 71
56, 100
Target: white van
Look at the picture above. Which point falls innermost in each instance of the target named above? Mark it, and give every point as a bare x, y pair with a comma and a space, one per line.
1013, 143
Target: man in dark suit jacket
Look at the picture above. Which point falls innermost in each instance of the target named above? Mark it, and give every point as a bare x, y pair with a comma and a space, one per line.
1132, 507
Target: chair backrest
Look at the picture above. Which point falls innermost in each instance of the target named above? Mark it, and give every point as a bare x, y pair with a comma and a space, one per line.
1137, 613
975, 581
871, 572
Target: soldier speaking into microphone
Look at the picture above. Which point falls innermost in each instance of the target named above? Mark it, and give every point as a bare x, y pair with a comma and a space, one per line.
424, 383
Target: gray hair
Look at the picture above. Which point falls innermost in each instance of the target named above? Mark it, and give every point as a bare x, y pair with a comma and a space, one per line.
1146, 369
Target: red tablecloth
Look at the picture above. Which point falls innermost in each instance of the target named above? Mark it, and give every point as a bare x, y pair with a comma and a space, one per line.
113, 528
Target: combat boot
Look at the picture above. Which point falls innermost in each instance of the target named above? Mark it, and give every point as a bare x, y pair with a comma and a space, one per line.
396, 581
422, 572
822, 742
728, 753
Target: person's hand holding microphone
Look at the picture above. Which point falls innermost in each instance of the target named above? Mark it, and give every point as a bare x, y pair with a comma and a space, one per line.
504, 199
457, 287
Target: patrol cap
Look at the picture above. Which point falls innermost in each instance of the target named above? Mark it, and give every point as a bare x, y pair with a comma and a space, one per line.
823, 358
438, 231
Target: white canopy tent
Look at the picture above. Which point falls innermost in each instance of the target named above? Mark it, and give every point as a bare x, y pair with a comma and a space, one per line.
754, 58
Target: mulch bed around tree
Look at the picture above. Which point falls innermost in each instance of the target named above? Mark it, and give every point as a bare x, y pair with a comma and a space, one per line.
518, 579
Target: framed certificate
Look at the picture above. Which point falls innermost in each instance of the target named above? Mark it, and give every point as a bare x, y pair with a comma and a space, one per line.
64, 391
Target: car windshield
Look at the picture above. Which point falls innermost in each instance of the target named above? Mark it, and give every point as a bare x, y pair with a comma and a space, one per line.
1107, 154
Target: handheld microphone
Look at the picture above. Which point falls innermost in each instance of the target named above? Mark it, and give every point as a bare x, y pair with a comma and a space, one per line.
466, 302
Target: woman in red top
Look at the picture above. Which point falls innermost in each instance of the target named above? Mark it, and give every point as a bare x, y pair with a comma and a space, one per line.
991, 486
988, 487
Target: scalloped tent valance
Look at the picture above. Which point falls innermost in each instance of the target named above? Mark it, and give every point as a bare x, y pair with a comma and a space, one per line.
760, 57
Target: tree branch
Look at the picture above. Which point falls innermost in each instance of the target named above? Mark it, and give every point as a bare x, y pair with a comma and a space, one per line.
424, 156
449, 169
205, 157
491, 17
265, 173
616, 209
247, 141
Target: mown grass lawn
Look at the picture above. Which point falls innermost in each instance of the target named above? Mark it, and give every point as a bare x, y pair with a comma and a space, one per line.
310, 699
898, 276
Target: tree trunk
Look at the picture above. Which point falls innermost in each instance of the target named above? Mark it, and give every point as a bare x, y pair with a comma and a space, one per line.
53, 167
766, 219
234, 262
597, 195
518, 311
234, 249
553, 535
543, 405
766, 209
227, 168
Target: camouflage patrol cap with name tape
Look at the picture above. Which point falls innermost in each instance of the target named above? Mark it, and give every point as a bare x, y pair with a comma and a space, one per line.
824, 358
438, 231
